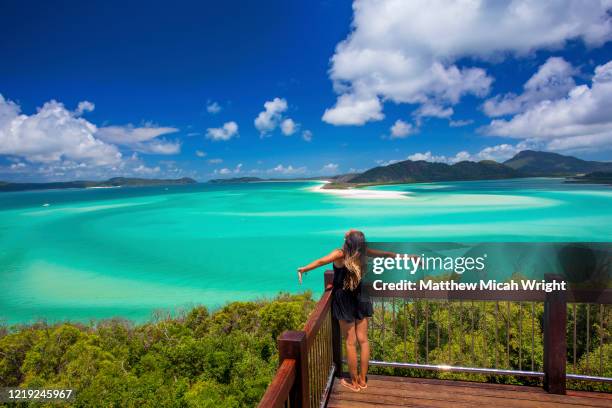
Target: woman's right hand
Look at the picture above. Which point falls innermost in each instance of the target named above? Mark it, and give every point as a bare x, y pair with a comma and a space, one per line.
301, 271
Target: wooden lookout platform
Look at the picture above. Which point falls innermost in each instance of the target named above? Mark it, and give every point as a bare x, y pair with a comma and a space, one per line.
481, 342
396, 392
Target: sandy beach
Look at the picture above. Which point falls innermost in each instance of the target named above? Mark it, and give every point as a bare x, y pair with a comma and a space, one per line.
361, 193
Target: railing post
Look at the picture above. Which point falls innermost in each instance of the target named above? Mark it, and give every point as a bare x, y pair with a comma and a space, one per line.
292, 344
555, 342
336, 335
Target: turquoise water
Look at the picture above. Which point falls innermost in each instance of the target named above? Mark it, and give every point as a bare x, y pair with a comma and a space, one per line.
99, 253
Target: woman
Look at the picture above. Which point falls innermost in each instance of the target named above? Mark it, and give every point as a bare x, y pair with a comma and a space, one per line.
348, 305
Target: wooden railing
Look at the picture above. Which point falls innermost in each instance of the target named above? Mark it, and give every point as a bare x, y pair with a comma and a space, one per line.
484, 332
309, 359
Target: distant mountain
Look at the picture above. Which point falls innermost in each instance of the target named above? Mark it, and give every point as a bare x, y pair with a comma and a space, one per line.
597, 177
113, 182
235, 180
409, 171
256, 179
552, 164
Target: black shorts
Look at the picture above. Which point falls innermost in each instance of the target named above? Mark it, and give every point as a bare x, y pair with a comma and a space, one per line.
349, 306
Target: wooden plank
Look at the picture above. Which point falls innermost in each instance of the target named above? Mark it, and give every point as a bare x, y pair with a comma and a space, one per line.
391, 392
391, 387
602, 296
449, 394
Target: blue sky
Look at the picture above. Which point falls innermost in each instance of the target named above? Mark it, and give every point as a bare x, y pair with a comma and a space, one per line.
161, 89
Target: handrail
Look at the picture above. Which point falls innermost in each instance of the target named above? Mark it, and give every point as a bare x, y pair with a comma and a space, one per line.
603, 296
308, 359
278, 391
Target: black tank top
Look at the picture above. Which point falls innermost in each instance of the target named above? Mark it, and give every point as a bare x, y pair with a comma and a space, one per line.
339, 276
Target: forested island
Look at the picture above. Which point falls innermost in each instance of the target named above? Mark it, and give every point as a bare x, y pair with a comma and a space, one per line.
527, 163
112, 182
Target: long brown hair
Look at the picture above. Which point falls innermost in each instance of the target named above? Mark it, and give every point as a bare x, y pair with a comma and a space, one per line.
354, 249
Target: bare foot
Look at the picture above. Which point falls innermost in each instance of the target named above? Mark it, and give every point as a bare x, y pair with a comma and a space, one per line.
350, 385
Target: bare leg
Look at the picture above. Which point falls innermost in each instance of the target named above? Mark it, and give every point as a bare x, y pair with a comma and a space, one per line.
361, 331
348, 332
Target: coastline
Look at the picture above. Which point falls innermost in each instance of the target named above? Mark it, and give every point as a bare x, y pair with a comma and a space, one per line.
356, 192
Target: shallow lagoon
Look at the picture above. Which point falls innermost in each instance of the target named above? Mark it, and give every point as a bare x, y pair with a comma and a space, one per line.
99, 253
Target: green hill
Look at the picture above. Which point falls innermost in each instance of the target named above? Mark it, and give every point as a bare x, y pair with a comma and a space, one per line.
409, 171
552, 164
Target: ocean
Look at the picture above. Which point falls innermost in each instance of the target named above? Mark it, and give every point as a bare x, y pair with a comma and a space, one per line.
126, 252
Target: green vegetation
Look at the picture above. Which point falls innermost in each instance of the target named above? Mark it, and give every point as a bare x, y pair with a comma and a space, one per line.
112, 182
199, 359
227, 358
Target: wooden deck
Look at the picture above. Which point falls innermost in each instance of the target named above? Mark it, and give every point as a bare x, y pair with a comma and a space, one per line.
392, 392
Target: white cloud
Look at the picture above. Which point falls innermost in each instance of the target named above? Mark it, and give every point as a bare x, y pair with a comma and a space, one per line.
200, 153
502, 152
289, 127
552, 81
401, 129
85, 106
286, 170
269, 118
428, 156
228, 131
141, 139
433, 110
226, 171
53, 133
307, 135
330, 168
460, 123
215, 161
407, 51
581, 120
351, 109
142, 169
213, 107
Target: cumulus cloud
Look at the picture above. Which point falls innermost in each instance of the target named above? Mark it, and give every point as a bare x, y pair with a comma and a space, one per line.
352, 109
307, 135
85, 106
553, 80
581, 120
226, 132
51, 134
286, 170
407, 52
227, 171
401, 129
269, 118
213, 107
288, 127
330, 168
215, 161
430, 157
200, 153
